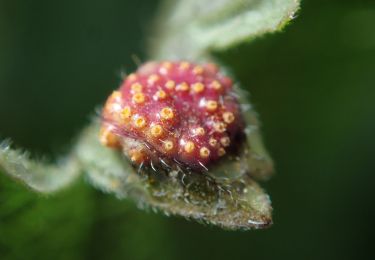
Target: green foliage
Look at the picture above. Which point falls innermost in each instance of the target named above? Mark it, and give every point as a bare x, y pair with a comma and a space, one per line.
35, 226
192, 29
39, 176
186, 29
311, 84
120, 230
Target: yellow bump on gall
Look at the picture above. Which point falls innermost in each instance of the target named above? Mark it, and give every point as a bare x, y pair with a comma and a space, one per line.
184, 65
228, 117
136, 156
132, 77
108, 138
165, 67
139, 121
126, 113
156, 131
220, 127
204, 152
170, 84
215, 85
221, 151
168, 145
116, 95
136, 87
182, 87
225, 141
198, 70
199, 131
166, 113
211, 105
138, 98
167, 64
112, 107
189, 147
212, 142
160, 94
197, 87
152, 79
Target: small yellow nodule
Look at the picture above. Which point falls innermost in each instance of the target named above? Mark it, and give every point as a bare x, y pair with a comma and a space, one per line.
116, 95
212, 142
152, 79
165, 67
138, 98
215, 85
220, 127
156, 131
166, 113
189, 147
139, 121
126, 112
167, 64
108, 138
228, 117
225, 141
182, 87
168, 145
132, 77
211, 105
184, 65
137, 156
160, 94
199, 131
112, 106
221, 151
136, 87
197, 87
170, 84
198, 70
204, 152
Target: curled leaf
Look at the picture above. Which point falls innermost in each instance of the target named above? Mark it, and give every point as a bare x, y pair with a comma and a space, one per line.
232, 200
190, 29
39, 176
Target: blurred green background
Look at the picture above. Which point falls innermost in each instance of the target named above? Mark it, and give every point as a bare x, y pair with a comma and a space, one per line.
313, 86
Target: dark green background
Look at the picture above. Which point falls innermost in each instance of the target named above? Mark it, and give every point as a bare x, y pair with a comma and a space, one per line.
313, 86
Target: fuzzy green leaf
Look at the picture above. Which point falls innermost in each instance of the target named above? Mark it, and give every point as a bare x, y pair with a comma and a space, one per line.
190, 29
229, 198
37, 175
227, 195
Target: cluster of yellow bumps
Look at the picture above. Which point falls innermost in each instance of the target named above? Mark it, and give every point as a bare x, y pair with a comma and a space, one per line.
175, 110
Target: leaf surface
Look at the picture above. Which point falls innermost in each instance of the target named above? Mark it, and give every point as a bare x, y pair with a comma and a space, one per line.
190, 29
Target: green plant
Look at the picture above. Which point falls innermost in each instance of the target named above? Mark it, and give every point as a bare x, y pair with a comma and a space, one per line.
185, 30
